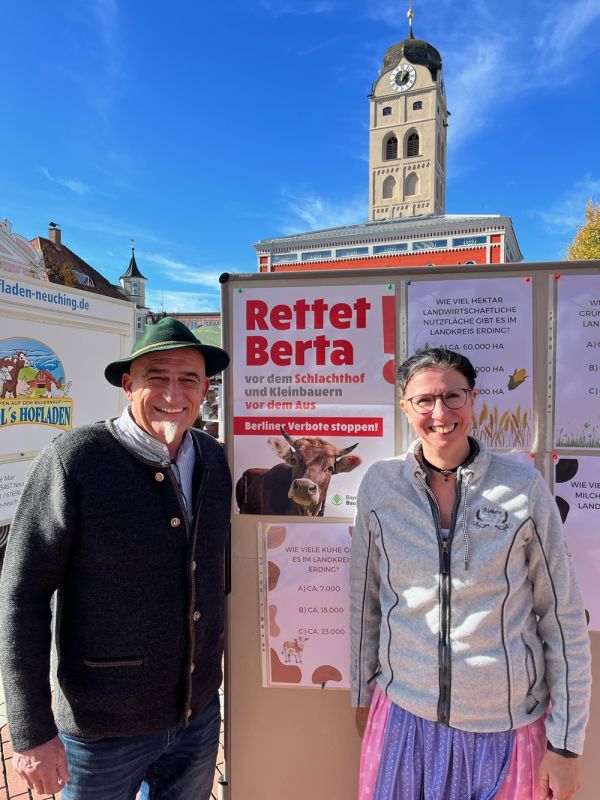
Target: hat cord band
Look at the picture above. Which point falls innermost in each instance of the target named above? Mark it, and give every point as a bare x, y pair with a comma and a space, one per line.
161, 344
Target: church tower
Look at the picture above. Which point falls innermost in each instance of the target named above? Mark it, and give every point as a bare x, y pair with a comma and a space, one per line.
407, 138
133, 282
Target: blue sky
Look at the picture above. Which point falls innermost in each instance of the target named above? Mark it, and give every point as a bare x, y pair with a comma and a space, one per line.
197, 128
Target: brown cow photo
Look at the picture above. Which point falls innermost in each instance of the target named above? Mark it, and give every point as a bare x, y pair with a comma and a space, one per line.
297, 486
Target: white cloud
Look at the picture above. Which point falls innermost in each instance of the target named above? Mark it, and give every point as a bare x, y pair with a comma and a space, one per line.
310, 210
567, 213
477, 80
184, 273
566, 29
171, 301
105, 86
109, 227
74, 185
297, 7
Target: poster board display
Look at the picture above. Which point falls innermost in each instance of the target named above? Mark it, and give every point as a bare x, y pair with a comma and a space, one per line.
577, 381
318, 726
577, 492
313, 395
490, 322
304, 576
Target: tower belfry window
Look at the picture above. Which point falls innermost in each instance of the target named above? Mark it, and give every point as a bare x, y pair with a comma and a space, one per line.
411, 186
412, 145
389, 185
391, 148
387, 111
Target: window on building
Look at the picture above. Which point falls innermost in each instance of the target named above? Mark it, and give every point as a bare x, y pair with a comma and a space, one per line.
285, 258
411, 186
429, 244
315, 255
470, 262
83, 279
417, 105
468, 241
390, 248
412, 144
389, 185
134, 287
391, 148
387, 111
349, 252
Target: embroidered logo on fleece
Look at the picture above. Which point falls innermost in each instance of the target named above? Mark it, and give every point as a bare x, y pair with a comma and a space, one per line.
489, 516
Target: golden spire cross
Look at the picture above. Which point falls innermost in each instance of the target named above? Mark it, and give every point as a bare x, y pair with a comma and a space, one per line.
410, 14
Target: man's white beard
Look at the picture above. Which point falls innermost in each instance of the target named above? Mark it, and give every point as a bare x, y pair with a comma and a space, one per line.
170, 430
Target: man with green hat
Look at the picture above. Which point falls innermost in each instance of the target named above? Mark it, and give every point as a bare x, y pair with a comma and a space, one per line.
126, 520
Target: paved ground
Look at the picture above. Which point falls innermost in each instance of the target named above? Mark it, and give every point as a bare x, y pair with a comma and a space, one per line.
12, 787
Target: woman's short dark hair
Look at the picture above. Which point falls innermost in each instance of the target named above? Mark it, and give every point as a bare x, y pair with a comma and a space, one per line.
432, 357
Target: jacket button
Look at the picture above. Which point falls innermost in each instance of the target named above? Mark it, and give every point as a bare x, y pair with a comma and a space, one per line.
159, 476
194, 566
175, 522
196, 616
192, 668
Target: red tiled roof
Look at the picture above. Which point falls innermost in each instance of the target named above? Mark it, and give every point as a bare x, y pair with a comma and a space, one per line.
57, 256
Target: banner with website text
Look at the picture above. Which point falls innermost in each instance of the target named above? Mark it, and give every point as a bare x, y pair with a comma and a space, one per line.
313, 395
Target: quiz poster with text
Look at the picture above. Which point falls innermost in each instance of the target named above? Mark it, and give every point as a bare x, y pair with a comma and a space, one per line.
577, 384
313, 395
577, 492
305, 604
490, 321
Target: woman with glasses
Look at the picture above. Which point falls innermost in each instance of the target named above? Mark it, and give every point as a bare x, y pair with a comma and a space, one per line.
470, 655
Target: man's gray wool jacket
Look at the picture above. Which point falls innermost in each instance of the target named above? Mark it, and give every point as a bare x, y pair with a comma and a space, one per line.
140, 602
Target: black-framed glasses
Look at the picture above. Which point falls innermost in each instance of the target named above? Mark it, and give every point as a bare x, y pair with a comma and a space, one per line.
452, 398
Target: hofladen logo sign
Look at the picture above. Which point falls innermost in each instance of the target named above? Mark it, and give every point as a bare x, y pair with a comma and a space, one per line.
33, 389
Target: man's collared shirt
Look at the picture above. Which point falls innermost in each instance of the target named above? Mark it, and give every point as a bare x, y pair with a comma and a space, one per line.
146, 446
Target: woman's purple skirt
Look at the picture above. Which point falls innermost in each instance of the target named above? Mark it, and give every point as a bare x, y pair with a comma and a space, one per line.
405, 757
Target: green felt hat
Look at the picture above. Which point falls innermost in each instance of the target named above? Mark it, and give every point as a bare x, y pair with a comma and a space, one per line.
168, 334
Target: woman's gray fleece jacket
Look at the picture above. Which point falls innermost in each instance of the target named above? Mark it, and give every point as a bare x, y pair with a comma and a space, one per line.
482, 632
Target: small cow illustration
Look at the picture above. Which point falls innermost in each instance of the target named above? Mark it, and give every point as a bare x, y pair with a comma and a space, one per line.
299, 486
5, 377
294, 648
13, 366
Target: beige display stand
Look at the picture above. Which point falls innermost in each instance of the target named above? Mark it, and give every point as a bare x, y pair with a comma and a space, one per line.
300, 743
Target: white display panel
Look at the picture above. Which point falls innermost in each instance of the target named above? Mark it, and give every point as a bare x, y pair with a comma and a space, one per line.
577, 382
490, 322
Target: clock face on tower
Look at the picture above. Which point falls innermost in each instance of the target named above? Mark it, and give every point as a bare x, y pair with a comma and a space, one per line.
403, 77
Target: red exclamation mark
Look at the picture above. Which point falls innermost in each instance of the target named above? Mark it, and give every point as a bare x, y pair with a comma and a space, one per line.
388, 308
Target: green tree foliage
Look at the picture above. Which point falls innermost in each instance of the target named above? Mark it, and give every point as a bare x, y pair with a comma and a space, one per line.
586, 243
60, 272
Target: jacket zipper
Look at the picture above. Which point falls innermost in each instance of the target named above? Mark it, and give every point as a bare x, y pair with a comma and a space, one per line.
445, 550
